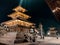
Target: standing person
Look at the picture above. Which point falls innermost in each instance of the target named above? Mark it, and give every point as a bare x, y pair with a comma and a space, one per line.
34, 35
57, 34
32, 32
41, 31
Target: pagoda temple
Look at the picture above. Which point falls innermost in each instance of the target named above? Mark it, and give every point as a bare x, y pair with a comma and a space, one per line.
19, 20
52, 31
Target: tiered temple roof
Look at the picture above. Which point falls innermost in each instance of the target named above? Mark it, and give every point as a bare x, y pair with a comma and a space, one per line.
18, 22
19, 13
19, 9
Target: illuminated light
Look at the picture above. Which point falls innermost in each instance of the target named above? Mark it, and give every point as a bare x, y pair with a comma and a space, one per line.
52, 28
36, 31
19, 22
56, 9
48, 33
18, 14
19, 9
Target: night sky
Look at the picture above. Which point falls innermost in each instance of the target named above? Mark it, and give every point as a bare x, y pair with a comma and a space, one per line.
37, 9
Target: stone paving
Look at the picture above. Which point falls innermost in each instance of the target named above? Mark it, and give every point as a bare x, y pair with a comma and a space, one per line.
46, 41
